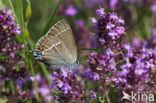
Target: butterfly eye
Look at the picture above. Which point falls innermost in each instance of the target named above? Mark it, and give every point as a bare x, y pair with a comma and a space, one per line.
38, 53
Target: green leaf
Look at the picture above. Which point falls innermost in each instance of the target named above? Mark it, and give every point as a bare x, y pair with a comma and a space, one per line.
52, 17
101, 98
1, 5
20, 10
26, 33
113, 96
28, 13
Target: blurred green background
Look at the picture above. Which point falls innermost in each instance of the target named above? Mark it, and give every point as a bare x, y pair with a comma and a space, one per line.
138, 16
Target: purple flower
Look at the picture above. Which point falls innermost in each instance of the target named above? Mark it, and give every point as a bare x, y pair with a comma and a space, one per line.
110, 26
109, 52
30, 78
109, 29
101, 64
139, 71
66, 88
12, 55
64, 72
93, 20
100, 12
102, 41
153, 8
48, 98
44, 90
120, 30
122, 65
67, 83
80, 22
113, 34
94, 76
123, 72
113, 2
113, 17
8, 24
22, 46
18, 29
20, 81
8, 30
136, 71
60, 84
71, 10
120, 20
126, 46
93, 95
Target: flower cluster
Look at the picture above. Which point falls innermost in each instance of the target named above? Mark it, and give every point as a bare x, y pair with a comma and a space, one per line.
121, 65
102, 64
138, 71
9, 59
64, 83
67, 83
109, 29
8, 46
8, 29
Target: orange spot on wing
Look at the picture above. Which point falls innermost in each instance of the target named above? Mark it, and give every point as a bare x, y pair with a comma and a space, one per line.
40, 48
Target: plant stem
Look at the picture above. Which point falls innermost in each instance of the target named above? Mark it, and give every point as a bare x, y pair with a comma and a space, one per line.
13, 11
12, 84
35, 84
106, 93
21, 12
105, 90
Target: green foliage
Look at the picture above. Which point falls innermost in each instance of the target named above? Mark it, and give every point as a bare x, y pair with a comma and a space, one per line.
1, 4
51, 19
28, 12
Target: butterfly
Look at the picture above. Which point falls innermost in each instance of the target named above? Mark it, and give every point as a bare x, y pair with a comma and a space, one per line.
57, 48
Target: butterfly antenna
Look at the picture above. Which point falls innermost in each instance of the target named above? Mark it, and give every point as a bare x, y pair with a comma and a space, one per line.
16, 52
28, 51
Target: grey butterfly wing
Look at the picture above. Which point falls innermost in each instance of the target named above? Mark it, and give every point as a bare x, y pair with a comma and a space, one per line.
67, 39
58, 45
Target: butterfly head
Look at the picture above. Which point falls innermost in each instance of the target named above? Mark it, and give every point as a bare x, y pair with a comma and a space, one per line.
37, 54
